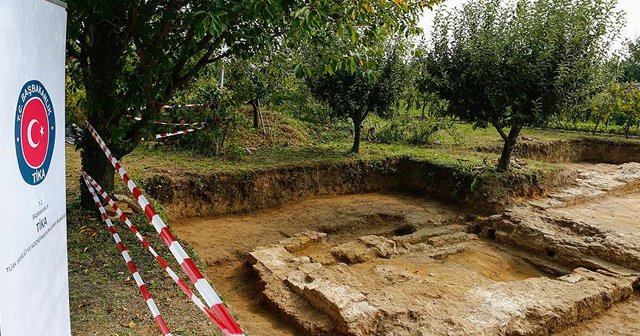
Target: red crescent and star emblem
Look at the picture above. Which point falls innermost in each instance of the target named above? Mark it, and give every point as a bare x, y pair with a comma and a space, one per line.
35, 130
34, 133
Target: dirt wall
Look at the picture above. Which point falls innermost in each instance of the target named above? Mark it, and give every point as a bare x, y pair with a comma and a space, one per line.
613, 151
222, 193
484, 193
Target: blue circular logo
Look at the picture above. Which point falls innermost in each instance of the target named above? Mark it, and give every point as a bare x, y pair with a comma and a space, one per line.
35, 130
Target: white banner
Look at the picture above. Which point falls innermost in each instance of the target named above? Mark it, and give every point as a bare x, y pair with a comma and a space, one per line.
34, 290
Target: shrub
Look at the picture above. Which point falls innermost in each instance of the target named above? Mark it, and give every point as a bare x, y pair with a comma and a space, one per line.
410, 130
236, 153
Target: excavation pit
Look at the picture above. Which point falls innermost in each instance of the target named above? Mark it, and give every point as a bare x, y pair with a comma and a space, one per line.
387, 264
461, 287
394, 264
224, 242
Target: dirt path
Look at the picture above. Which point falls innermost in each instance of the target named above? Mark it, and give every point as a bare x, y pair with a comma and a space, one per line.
223, 242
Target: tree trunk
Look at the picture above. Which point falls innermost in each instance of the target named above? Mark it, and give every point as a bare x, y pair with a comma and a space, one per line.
357, 125
626, 129
424, 106
595, 129
103, 109
96, 164
255, 103
509, 144
408, 106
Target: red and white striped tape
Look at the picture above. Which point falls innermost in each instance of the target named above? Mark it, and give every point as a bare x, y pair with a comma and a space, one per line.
179, 124
186, 263
169, 107
168, 135
171, 124
195, 299
130, 265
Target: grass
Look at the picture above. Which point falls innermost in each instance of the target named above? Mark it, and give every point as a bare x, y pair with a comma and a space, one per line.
105, 300
458, 150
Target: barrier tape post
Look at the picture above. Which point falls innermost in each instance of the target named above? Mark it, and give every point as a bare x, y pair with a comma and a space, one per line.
179, 282
130, 265
186, 263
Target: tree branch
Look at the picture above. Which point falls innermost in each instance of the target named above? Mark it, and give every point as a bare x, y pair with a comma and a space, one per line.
134, 20
504, 136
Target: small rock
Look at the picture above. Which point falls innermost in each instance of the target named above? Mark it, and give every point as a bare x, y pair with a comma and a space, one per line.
571, 278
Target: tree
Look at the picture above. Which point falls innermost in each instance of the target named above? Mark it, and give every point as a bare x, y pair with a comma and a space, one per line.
631, 63
426, 83
356, 93
517, 64
255, 79
627, 97
134, 54
603, 105
410, 92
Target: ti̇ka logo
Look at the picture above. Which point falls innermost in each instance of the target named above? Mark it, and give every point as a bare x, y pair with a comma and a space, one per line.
35, 128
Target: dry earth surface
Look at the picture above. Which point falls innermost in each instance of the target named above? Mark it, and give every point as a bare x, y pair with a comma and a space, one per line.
224, 242
391, 264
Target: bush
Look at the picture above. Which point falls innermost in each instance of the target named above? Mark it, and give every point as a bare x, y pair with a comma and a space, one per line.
236, 153
393, 131
222, 127
407, 129
222, 116
297, 101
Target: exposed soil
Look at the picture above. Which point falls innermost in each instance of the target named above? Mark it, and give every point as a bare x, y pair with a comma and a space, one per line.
619, 214
202, 195
495, 263
410, 289
559, 261
392, 264
561, 255
592, 223
588, 224
223, 242
597, 150
620, 320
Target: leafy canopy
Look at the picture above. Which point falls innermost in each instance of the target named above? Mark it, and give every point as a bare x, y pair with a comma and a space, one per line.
631, 63
366, 88
137, 53
515, 64
519, 63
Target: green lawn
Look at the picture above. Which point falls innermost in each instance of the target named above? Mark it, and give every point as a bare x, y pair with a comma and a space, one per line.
456, 150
